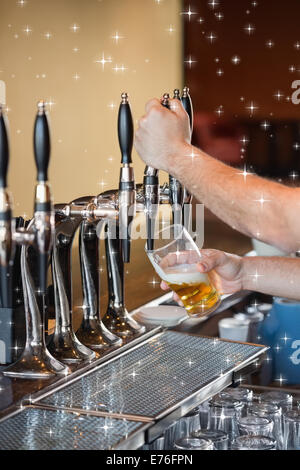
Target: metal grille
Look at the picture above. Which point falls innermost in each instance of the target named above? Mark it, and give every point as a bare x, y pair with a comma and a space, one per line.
155, 376
37, 429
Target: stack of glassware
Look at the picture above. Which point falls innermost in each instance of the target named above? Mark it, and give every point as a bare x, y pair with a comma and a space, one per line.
236, 419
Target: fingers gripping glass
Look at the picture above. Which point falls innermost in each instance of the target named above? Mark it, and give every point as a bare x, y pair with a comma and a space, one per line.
175, 259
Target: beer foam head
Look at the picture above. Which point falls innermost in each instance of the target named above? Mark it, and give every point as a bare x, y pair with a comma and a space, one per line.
183, 274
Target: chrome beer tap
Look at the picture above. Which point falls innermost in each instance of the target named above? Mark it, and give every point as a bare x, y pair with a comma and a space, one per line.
187, 197
176, 190
84, 212
6, 242
152, 194
64, 344
117, 240
127, 194
92, 332
36, 361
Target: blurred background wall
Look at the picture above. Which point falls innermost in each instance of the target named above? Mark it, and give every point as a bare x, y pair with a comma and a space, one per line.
79, 56
241, 58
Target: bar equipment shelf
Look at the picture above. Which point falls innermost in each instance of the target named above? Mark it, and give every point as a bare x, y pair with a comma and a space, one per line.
41, 429
154, 382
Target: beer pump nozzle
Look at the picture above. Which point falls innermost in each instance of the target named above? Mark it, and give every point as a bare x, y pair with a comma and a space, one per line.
188, 106
127, 182
175, 187
187, 197
6, 245
43, 210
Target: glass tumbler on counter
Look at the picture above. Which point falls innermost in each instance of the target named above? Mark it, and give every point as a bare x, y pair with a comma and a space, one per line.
219, 439
224, 414
253, 443
255, 426
284, 400
193, 443
175, 259
291, 429
158, 444
272, 411
187, 424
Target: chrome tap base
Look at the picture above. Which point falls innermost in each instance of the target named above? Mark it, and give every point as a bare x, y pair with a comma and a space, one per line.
95, 335
65, 346
36, 363
120, 323
92, 332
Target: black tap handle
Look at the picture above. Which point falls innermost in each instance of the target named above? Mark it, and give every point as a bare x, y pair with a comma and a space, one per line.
125, 129
188, 105
41, 141
166, 100
4, 150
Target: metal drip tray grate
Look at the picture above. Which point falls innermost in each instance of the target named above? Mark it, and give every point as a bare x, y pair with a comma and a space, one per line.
38, 429
155, 377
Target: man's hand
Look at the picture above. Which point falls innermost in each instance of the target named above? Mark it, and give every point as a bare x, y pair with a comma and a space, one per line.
225, 271
162, 133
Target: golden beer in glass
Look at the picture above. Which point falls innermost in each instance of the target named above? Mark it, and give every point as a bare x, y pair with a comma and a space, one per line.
176, 263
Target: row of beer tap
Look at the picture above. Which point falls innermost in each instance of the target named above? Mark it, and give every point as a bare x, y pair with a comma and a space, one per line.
49, 236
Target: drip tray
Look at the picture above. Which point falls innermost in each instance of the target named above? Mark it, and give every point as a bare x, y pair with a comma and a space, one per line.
162, 378
35, 428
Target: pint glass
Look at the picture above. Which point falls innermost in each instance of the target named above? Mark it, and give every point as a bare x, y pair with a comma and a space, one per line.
175, 259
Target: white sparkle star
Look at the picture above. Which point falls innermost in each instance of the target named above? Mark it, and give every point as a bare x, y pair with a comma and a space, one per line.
48, 35
190, 61
220, 72
297, 45
278, 95
280, 379
117, 37
102, 183
112, 105
103, 61
27, 30
21, 3
189, 13
245, 173
252, 107
119, 68
262, 201
292, 68
75, 28
296, 146
255, 276
236, 60
265, 125
244, 140
76, 77
211, 37
285, 338
249, 29
213, 4
220, 110
294, 175
270, 43
75, 49
171, 29
219, 16
154, 282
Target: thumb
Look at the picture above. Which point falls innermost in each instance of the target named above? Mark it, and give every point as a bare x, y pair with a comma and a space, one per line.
211, 259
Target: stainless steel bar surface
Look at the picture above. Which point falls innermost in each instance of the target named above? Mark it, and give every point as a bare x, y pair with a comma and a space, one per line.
157, 377
43, 429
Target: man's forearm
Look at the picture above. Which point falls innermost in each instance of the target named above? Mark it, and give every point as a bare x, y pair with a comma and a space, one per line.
255, 206
273, 276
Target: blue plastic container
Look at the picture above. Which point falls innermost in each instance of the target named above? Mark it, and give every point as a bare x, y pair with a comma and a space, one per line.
281, 331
